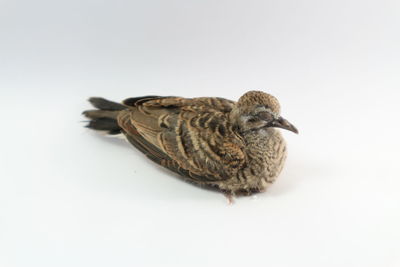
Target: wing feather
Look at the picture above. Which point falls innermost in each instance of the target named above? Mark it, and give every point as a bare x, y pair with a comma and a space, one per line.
191, 137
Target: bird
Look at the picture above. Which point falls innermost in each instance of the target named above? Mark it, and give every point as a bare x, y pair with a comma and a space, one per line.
234, 147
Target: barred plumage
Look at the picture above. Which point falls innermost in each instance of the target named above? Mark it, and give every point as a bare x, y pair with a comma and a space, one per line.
214, 142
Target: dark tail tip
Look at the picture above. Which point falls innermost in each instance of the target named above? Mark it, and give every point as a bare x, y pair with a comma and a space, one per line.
104, 104
104, 124
104, 118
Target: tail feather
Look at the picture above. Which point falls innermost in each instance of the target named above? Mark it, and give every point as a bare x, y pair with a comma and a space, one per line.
104, 124
104, 118
104, 104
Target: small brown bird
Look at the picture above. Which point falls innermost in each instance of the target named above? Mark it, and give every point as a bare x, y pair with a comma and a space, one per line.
233, 147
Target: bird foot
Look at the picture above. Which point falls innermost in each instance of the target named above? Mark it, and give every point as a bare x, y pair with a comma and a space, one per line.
230, 199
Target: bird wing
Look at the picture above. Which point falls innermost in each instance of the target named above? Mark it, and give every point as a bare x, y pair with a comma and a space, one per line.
192, 137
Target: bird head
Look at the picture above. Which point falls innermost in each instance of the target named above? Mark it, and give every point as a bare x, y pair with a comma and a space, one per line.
257, 110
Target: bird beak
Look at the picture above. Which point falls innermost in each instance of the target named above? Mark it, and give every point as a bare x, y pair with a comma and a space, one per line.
284, 124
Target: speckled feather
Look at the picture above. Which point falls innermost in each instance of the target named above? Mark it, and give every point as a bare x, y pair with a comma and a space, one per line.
205, 140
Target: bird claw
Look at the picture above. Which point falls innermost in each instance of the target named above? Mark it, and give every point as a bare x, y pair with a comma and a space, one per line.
230, 199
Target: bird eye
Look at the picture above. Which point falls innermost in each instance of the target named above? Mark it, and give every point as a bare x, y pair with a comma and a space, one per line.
266, 116
253, 119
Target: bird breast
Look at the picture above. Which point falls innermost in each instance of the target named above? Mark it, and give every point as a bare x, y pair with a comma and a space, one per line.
266, 151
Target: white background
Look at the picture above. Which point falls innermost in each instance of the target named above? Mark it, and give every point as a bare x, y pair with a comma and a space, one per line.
69, 197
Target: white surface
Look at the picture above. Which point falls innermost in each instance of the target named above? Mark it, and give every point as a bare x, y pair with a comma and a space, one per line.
71, 198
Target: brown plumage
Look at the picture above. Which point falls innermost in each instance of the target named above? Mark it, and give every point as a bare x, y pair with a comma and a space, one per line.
213, 142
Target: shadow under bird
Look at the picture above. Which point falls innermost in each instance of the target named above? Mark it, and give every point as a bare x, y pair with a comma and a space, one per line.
234, 147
